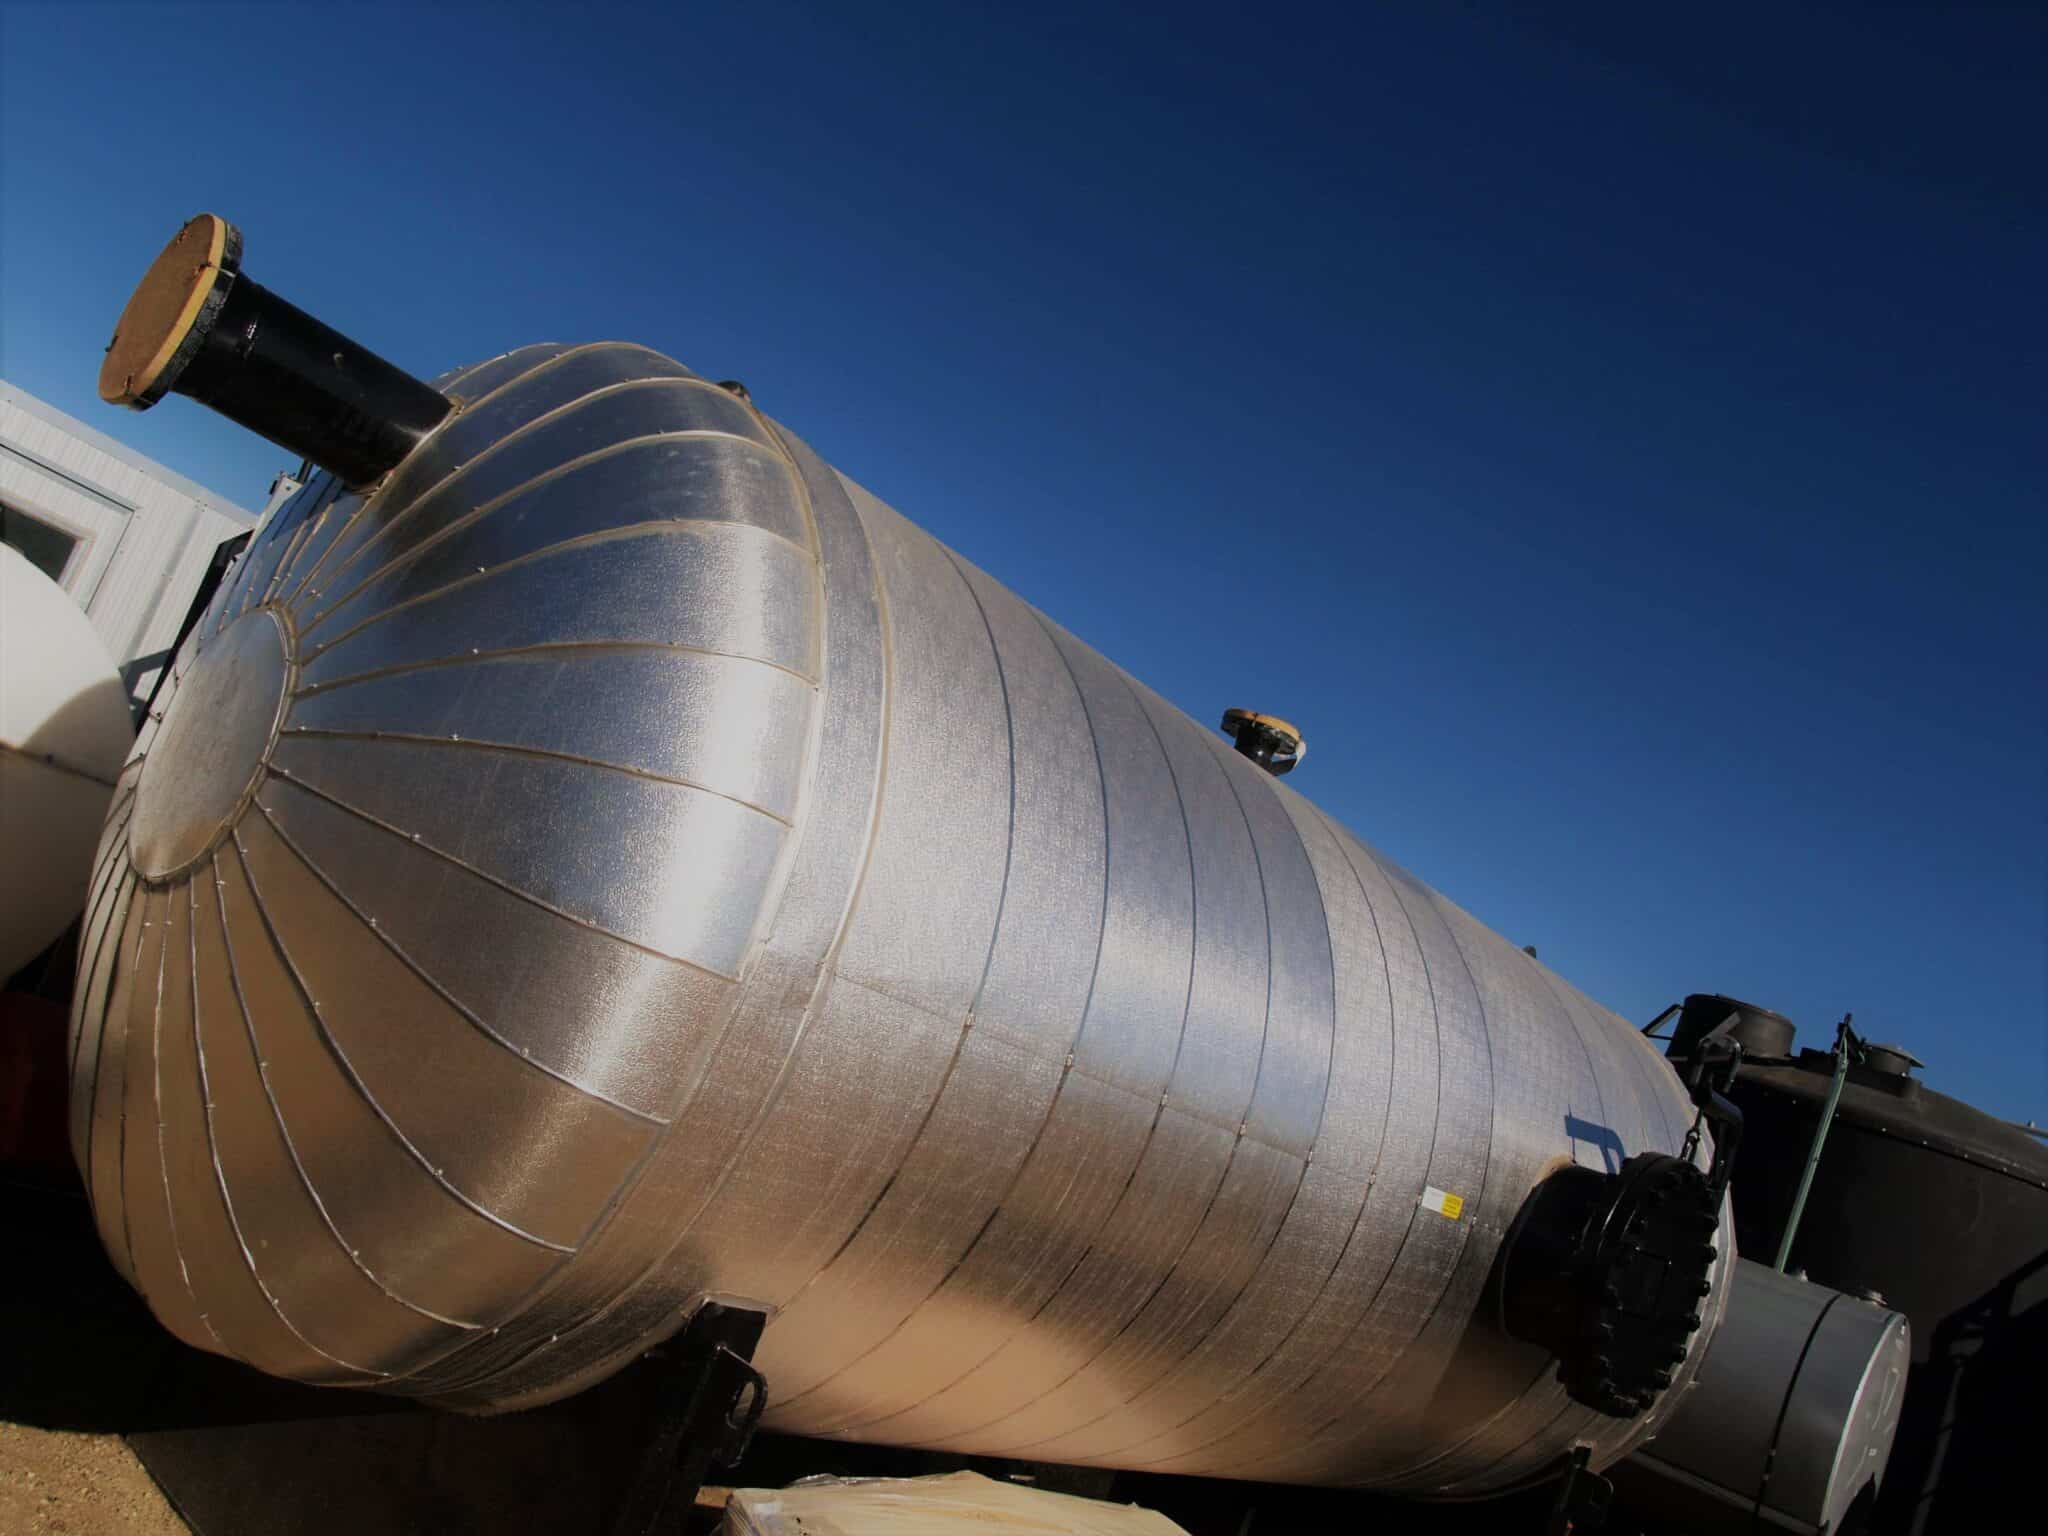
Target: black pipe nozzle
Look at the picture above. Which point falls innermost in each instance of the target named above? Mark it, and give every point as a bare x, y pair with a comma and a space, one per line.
197, 326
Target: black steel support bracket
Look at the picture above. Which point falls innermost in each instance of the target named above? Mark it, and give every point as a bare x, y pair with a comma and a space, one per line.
1583, 1498
709, 1402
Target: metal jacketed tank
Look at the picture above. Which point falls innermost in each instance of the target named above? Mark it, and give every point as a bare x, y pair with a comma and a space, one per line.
610, 859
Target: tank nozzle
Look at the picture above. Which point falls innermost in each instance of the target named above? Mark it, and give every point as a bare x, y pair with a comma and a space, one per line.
1267, 740
196, 325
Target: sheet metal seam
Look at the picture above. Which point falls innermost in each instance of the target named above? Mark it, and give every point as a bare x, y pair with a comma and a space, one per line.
476, 514
1052, 1103
405, 512
1192, 1345
297, 781
463, 409
522, 749
1168, 1269
544, 648
277, 1115
106, 883
824, 974
1372, 1185
1365, 1195
554, 1276
163, 1166
988, 960
128, 1090
362, 1088
137, 919
521, 1054
1151, 1130
1366, 1312
1450, 1270
220, 1178
664, 527
123, 884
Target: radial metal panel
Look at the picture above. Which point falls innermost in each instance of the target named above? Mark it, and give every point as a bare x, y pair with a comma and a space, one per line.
665, 871
314, 1275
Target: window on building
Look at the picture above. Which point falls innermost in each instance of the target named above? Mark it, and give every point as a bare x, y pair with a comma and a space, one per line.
47, 547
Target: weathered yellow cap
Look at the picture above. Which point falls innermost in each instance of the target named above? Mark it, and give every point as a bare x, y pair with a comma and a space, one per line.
170, 312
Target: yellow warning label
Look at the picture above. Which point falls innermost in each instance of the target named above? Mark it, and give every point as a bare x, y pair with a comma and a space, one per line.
1445, 1204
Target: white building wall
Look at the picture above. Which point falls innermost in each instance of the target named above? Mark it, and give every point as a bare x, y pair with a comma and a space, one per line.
146, 534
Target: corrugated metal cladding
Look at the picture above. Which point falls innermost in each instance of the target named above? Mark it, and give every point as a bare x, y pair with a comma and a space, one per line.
142, 535
665, 871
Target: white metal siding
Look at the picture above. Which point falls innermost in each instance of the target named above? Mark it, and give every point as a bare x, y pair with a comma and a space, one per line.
145, 533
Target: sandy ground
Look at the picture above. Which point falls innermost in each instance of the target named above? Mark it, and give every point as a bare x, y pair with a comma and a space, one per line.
54, 1482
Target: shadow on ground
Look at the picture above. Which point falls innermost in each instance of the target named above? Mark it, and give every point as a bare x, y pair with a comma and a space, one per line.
237, 1451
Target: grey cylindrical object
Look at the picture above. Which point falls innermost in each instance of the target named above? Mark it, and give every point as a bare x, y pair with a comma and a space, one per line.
1790, 1422
665, 871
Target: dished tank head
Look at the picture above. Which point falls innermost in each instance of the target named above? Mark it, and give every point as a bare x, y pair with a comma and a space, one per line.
611, 860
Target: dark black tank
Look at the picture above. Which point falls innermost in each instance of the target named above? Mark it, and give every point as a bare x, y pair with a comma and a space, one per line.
1937, 1207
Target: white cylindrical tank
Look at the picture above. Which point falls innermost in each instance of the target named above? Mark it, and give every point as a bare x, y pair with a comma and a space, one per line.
620, 861
64, 730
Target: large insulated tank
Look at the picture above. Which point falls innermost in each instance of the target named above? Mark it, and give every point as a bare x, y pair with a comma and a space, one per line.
1930, 1203
609, 860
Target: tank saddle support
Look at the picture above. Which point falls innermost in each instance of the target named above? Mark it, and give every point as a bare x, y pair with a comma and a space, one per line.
708, 1403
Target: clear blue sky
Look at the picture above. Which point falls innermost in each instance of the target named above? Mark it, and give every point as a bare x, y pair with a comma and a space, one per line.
1617, 440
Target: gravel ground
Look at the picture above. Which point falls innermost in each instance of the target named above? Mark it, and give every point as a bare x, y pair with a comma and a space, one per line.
52, 1482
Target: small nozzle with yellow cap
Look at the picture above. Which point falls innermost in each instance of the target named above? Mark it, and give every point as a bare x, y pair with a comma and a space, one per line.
1272, 743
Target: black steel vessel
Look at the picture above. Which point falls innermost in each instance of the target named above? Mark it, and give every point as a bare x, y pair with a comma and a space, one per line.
1934, 1205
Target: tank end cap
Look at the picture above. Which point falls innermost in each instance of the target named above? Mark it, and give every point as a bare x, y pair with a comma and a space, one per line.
1607, 1271
171, 312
